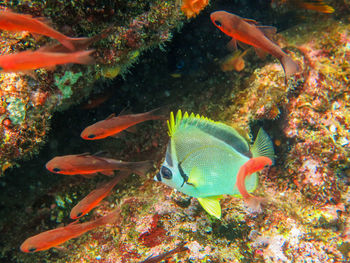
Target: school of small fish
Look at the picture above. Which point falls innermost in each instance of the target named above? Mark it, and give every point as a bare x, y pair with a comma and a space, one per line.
205, 159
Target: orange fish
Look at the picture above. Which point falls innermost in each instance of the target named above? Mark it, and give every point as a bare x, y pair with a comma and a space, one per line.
315, 5
251, 166
247, 32
30, 60
55, 237
90, 165
95, 197
115, 124
11, 21
234, 61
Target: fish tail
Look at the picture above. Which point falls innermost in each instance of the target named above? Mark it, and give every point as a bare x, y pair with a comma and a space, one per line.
250, 167
67, 43
158, 113
290, 67
83, 57
111, 218
141, 168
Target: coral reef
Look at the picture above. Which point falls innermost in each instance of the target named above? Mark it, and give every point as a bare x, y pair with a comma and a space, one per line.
306, 217
133, 27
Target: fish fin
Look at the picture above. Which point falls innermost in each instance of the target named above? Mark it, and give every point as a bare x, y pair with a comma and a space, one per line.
232, 45
118, 135
83, 57
211, 204
132, 129
100, 153
261, 53
158, 113
268, 31
110, 116
243, 45
111, 218
290, 67
195, 177
60, 248
251, 166
250, 21
108, 172
141, 168
125, 111
88, 176
84, 154
263, 146
74, 222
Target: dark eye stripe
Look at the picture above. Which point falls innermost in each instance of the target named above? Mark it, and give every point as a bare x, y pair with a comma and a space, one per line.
159, 177
166, 173
168, 158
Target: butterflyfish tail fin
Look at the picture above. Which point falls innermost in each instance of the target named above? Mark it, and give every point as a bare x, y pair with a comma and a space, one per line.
263, 146
251, 166
211, 204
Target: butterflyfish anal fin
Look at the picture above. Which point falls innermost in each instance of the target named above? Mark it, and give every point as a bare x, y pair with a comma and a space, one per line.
211, 204
263, 146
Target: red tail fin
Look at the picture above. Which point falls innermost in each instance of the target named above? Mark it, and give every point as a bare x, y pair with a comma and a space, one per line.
83, 57
253, 165
290, 67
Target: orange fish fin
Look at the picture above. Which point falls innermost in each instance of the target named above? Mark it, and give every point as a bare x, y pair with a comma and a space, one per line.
261, 53
84, 154
125, 111
100, 153
110, 116
290, 67
83, 57
31, 74
232, 45
74, 222
44, 20
269, 31
243, 45
132, 129
88, 176
250, 21
108, 172
119, 135
61, 248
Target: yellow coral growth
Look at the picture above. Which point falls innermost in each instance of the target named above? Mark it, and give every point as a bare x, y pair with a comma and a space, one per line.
192, 8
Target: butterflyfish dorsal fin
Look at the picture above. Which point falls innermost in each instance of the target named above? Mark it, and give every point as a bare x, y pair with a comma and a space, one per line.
211, 204
263, 146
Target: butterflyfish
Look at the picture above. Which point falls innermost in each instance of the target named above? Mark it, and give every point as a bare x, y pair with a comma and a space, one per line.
206, 159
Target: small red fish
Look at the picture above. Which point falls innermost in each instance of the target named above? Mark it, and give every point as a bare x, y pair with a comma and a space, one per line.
234, 61
90, 165
114, 125
253, 165
55, 237
95, 197
247, 31
11, 21
30, 60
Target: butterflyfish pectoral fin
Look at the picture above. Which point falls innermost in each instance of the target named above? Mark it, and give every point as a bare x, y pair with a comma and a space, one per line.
263, 146
195, 177
211, 204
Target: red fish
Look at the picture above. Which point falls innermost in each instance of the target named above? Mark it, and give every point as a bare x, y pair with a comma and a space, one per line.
247, 32
253, 165
87, 164
11, 21
114, 125
95, 197
30, 60
55, 237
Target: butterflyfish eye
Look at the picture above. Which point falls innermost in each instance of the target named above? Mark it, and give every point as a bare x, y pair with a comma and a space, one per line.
159, 178
79, 214
32, 249
166, 173
91, 136
56, 169
218, 23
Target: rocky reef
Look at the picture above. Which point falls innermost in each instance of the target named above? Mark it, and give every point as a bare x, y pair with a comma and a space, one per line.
27, 102
306, 217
